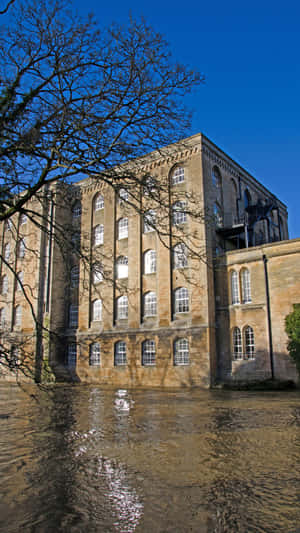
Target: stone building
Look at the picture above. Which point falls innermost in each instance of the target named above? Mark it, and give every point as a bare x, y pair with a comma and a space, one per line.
131, 276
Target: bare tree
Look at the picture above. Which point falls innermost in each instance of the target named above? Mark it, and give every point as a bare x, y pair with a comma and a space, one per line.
80, 101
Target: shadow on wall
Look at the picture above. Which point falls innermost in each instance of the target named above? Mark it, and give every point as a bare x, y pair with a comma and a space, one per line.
259, 368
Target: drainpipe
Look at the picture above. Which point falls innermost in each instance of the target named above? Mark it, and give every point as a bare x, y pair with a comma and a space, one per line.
265, 260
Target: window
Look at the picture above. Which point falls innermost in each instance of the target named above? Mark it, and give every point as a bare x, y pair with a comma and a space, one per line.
76, 210
123, 195
71, 354
75, 276
97, 273
73, 316
7, 251
237, 344
20, 276
99, 202
179, 215
218, 215
4, 285
8, 225
246, 286
120, 353
95, 354
235, 293
98, 234
180, 256
247, 198
2, 316
122, 267
150, 185
18, 316
21, 248
249, 343
150, 304
149, 221
14, 356
148, 353
75, 239
97, 310
181, 352
216, 178
177, 175
23, 219
123, 228
122, 307
150, 262
181, 300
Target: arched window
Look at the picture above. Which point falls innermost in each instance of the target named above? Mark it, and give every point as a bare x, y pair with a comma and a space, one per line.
249, 343
99, 202
122, 267
71, 354
123, 228
23, 219
216, 178
181, 352
150, 262
123, 195
21, 248
237, 347
120, 353
97, 273
18, 316
246, 286
235, 292
181, 300
179, 215
95, 354
98, 234
75, 239
180, 259
122, 307
2, 316
149, 221
75, 276
247, 198
73, 316
20, 276
7, 251
76, 210
150, 304
177, 175
218, 215
4, 284
97, 310
148, 353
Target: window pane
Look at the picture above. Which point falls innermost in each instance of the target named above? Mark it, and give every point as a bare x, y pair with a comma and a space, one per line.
180, 256
97, 310
120, 353
75, 276
181, 300
97, 273
123, 228
73, 316
99, 202
237, 344
150, 304
123, 195
95, 354
149, 221
71, 355
179, 213
122, 307
235, 293
122, 267
7, 251
76, 211
148, 353
177, 175
150, 262
249, 343
98, 234
181, 352
246, 286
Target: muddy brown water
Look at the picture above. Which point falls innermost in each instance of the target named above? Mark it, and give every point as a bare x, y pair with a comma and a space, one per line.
84, 459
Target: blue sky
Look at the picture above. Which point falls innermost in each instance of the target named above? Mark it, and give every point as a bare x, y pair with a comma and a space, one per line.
249, 53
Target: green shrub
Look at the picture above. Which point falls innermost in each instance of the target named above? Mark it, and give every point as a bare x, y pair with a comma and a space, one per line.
292, 328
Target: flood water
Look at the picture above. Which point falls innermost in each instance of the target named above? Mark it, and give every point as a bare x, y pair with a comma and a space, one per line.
84, 459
